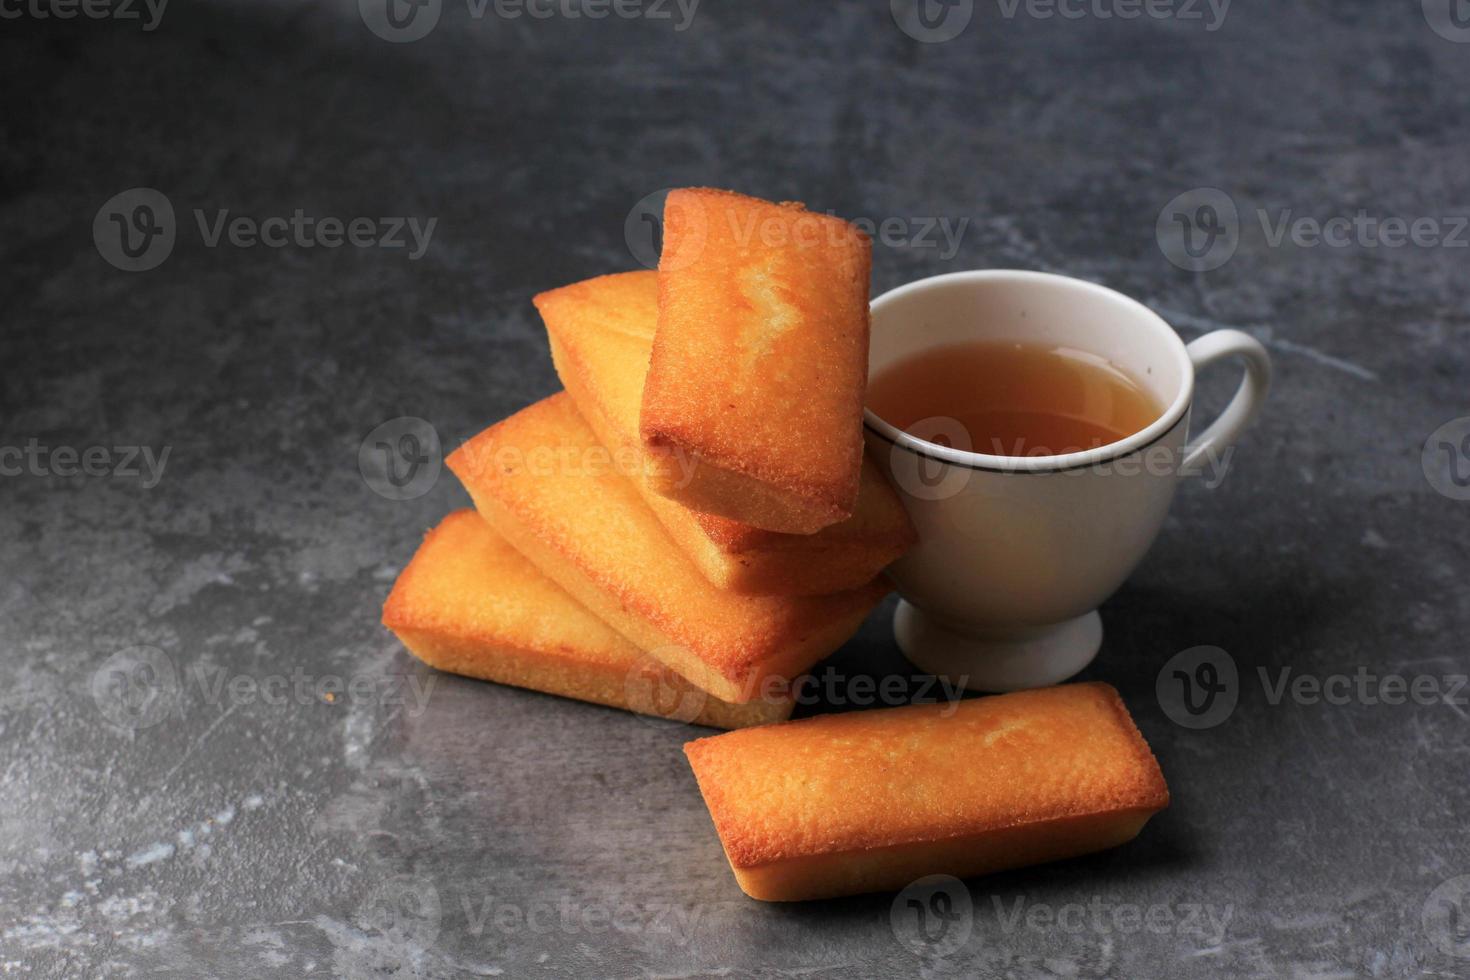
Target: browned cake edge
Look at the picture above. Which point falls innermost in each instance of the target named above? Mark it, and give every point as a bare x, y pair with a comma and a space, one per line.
893, 864
754, 488
688, 476
485, 654
740, 557
732, 671
564, 674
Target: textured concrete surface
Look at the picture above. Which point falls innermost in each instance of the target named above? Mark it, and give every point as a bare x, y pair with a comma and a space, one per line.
224, 817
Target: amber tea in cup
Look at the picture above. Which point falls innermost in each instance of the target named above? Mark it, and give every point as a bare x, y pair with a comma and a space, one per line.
1015, 398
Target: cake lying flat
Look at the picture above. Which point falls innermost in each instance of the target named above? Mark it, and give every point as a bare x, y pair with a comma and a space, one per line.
548, 485
470, 604
601, 333
873, 800
760, 361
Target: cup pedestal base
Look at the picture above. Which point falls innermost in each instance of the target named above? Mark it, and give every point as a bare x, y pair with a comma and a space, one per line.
997, 662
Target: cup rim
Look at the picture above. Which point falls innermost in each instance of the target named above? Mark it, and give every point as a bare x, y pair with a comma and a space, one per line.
1133, 443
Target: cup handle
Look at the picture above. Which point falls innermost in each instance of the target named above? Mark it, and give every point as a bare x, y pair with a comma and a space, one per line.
1249, 397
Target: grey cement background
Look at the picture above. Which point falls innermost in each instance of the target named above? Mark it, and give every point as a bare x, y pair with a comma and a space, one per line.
496, 832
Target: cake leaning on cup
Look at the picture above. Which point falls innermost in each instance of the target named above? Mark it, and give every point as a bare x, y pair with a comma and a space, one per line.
601, 333
760, 361
875, 800
542, 479
468, 603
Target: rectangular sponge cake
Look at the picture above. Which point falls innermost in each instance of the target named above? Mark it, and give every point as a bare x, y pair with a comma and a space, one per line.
873, 800
601, 333
760, 362
470, 604
544, 481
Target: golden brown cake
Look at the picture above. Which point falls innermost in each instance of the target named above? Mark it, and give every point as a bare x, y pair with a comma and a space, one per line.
601, 333
544, 481
874, 800
470, 604
760, 361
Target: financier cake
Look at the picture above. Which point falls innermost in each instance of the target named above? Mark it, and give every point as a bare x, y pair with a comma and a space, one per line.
760, 361
874, 800
468, 603
601, 332
544, 481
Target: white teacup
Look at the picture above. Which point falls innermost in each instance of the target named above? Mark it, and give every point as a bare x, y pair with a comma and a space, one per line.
1015, 553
